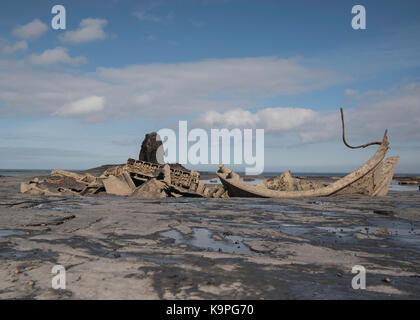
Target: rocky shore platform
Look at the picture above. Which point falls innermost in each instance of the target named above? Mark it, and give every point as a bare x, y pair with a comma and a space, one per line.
116, 247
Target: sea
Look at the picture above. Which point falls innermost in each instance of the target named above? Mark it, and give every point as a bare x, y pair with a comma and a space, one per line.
22, 172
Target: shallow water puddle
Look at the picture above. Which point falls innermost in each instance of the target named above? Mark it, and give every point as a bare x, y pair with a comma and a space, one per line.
271, 207
115, 254
49, 206
14, 254
10, 253
218, 222
162, 261
61, 205
61, 208
398, 187
234, 205
407, 205
8, 233
370, 230
203, 238
82, 204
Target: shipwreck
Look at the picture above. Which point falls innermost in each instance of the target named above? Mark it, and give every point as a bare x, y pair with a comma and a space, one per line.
372, 179
148, 178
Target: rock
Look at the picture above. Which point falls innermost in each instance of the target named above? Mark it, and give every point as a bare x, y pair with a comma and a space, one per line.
383, 230
63, 183
120, 185
285, 182
34, 189
152, 189
152, 149
56, 182
260, 246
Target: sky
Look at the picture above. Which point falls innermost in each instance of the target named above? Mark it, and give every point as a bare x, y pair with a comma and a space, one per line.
86, 96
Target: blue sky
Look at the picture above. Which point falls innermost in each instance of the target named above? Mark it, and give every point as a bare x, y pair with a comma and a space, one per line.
85, 96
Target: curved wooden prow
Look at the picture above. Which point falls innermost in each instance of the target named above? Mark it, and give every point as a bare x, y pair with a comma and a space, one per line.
362, 145
351, 183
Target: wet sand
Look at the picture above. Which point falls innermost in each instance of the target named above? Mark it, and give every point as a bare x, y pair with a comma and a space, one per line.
131, 248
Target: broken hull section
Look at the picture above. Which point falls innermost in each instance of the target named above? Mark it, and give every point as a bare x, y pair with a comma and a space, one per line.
371, 179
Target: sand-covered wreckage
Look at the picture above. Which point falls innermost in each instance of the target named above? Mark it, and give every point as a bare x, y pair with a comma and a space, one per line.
139, 178
149, 179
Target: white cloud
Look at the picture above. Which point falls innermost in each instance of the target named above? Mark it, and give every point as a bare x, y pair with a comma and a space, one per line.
144, 16
350, 92
230, 119
18, 46
32, 30
219, 91
82, 106
54, 56
270, 119
396, 109
89, 30
214, 84
156, 90
276, 119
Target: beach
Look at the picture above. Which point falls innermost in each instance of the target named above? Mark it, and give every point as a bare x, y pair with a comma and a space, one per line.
115, 247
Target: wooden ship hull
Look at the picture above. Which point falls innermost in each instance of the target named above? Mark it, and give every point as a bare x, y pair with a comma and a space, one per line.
373, 179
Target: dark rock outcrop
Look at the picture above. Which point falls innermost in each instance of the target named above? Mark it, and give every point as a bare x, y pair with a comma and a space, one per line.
150, 151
